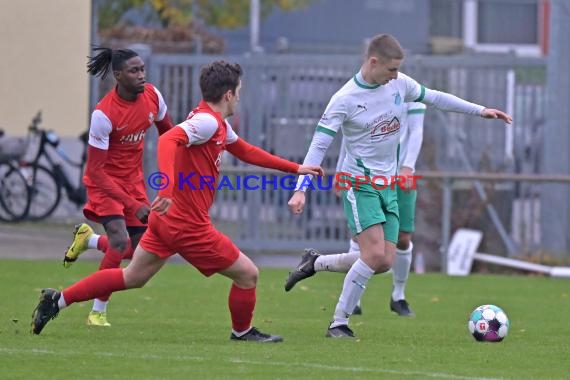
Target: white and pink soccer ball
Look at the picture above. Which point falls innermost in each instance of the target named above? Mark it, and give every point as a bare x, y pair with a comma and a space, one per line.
488, 323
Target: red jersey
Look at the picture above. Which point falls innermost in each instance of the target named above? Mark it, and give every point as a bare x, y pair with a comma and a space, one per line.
119, 126
198, 162
195, 147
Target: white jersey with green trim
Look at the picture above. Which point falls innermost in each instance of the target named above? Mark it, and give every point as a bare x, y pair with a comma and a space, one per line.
370, 118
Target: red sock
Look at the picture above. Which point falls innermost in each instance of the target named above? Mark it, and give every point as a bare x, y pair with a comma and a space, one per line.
103, 243
112, 259
95, 285
241, 303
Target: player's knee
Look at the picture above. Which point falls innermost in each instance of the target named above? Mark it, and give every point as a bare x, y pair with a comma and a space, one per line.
118, 235
252, 275
383, 266
134, 279
248, 278
383, 263
119, 242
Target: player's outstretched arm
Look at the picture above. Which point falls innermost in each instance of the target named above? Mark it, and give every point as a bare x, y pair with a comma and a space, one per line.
311, 169
452, 103
259, 157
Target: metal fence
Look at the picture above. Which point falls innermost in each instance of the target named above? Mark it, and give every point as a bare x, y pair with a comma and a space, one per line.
283, 97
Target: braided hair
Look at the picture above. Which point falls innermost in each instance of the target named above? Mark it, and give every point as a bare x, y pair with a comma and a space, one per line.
108, 58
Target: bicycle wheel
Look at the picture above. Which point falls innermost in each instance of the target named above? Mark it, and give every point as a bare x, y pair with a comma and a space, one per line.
45, 191
13, 194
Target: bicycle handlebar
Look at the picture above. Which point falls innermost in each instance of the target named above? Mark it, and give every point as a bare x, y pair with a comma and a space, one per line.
37, 120
51, 138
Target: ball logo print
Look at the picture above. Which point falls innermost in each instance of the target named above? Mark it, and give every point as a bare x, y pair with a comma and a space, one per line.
488, 323
482, 326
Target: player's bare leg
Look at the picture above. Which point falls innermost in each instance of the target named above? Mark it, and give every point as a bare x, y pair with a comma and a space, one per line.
143, 266
242, 300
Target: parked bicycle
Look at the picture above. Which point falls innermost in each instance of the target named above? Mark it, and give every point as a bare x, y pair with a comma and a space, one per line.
45, 183
14, 191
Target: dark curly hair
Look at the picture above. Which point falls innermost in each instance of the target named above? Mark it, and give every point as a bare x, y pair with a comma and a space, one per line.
217, 78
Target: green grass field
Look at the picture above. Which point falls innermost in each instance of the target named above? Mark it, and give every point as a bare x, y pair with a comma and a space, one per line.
178, 327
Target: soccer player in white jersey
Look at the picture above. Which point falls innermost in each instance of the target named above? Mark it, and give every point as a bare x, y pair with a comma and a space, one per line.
368, 109
411, 137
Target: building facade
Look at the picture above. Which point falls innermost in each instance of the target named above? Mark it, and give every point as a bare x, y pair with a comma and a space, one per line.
44, 49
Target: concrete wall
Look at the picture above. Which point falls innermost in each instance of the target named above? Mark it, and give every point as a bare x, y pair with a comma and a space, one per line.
44, 45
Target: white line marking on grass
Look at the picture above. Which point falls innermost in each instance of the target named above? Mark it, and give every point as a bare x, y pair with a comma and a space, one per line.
438, 375
364, 369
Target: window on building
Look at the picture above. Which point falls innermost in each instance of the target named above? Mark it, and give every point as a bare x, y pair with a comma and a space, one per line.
446, 18
499, 26
503, 26
508, 22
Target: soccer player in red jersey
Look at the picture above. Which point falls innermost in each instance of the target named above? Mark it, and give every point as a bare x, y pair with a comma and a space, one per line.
114, 172
190, 155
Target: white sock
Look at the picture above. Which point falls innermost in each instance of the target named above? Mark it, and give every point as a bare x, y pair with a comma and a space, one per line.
340, 262
99, 306
354, 247
93, 240
354, 285
61, 304
242, 333
401, 272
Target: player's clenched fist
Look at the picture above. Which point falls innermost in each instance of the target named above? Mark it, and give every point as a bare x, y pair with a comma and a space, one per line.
297, 202
311, 169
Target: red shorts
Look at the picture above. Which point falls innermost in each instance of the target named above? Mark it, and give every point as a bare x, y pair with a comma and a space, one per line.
99, 204
206, 248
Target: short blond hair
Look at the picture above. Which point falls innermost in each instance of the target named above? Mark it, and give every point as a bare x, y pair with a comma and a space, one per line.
384, 46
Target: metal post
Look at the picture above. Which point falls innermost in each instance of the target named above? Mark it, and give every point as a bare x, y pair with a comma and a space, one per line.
446, 221
555, 199
94, 81
254, 17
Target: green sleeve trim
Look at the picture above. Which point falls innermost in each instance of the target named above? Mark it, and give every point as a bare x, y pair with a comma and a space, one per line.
417, 110
326, 130
422, 94
397, 159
